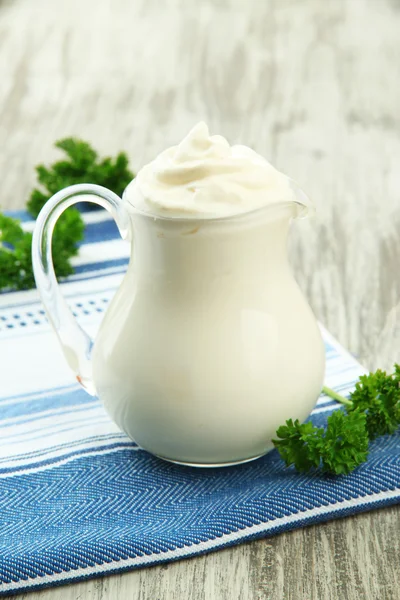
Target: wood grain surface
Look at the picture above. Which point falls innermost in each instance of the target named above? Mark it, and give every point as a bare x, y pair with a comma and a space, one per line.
315, 87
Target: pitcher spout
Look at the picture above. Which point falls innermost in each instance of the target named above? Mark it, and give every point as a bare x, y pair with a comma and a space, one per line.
305, 207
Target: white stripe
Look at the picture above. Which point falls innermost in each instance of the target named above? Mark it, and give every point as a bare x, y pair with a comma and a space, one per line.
98, 252
187, 550
91, 450
324, 400
104, 272
323, 409
34, 363
62, 443
43, 430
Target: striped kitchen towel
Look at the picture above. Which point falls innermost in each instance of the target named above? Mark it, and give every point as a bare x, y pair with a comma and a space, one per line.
79, 499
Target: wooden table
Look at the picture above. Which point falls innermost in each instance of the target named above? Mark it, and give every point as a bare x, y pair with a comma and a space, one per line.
315, 87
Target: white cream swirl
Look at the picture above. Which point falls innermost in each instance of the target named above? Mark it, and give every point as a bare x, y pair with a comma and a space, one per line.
206, 177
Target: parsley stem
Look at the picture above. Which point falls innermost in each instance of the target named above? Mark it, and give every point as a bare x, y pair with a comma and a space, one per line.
332, 394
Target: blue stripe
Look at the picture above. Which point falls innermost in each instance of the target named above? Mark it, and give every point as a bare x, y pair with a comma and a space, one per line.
29, 407
21, 215
37, 394
103, 231
45, 414
106, 264
25, 217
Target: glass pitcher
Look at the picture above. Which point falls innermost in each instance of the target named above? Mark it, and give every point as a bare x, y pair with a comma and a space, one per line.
208, 345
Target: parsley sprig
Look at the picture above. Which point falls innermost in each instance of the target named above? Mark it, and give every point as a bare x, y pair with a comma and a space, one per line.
80, 165
372, 410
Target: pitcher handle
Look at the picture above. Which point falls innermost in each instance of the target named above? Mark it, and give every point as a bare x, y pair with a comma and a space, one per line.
75, 342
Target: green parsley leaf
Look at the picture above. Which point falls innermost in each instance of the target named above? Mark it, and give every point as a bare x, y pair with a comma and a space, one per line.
299, 444
378, 394
345, 443
339, 448
81, 165
372, 410
15, 255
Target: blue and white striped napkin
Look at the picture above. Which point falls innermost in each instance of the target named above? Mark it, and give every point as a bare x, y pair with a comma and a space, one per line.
79, 499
